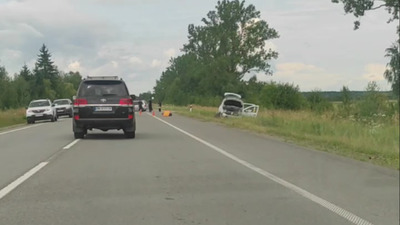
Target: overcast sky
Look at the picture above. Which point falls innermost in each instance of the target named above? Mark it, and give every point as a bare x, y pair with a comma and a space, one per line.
134, 39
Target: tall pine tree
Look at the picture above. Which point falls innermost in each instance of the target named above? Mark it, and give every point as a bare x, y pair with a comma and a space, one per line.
46, 75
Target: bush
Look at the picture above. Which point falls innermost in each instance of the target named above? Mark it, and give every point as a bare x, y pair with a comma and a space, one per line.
374, 106
317, 103
281, 96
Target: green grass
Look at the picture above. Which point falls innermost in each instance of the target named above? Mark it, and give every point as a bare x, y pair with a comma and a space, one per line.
12, 117
374, 143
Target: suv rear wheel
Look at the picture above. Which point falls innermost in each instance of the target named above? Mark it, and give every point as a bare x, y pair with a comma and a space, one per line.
129, 134
79, 135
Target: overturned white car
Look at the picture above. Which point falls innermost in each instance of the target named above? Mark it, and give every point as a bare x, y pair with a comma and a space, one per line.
233, 105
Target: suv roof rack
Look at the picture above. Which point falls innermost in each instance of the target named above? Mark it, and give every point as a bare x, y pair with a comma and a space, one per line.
102, 78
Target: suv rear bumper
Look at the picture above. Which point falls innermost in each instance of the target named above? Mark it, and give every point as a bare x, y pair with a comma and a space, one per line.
126, 124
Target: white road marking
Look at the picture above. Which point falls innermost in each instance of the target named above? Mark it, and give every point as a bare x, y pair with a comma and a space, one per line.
21, 179
23, 128
322, 202
71, 144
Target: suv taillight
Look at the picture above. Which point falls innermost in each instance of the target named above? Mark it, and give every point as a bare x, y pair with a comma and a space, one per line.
80, 101
125, 101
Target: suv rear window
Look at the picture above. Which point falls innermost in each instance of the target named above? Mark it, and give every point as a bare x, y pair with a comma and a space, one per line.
103, 89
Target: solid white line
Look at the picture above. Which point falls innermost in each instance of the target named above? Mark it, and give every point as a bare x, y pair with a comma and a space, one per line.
21, 179
322, 202
23, 128
71, 144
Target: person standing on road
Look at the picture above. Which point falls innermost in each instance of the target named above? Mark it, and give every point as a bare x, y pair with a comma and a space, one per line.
150, 106
159, 106
140, 106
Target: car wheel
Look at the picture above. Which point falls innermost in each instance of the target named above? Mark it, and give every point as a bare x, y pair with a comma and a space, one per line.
70, 115
79, 135
28, 121
129, 134
52, 119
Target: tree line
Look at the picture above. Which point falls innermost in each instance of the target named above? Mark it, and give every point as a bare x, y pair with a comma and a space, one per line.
43, 81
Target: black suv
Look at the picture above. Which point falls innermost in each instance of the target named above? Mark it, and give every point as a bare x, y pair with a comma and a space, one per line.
103, 103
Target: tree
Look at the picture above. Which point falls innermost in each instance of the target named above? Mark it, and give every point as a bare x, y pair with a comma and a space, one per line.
230, 43
318, 103
45, 70
23, 89
358, 8
374, 103
74, 78
346, 100
392, 72
234, 36
281, 96
25, 73
3, 85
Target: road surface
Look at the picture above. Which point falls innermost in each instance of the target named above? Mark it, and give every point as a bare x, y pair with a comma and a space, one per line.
183, 171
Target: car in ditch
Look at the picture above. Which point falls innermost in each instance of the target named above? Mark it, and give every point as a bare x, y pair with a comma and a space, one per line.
233, 106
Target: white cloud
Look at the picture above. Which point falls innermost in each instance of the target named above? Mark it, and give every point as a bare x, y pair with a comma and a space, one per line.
170, 53
374, 72
135, 60
156, 63
307, 77
74, 66
114, 64
293, 69
12, 54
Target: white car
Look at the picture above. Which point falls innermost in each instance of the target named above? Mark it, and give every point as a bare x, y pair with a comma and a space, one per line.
40, 109
63, 107
233, 106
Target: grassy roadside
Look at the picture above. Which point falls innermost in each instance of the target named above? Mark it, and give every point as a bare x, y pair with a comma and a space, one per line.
376, 143
12, 117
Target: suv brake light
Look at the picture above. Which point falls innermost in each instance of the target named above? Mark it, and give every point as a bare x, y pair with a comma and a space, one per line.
125, 101
80, 101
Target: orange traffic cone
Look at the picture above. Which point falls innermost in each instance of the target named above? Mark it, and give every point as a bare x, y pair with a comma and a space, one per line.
140, 112
154, 113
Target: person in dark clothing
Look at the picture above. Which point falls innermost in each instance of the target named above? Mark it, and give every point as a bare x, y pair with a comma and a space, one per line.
150, 106
140, 106
159, 106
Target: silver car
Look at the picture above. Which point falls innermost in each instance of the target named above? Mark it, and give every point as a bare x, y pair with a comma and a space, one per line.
63, 107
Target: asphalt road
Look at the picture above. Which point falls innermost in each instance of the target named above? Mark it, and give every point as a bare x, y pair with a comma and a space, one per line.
183, 171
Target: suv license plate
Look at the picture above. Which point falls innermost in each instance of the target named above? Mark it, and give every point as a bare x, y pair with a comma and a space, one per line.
103, 109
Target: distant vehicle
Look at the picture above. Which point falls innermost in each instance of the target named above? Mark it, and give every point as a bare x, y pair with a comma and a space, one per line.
103, 103
63, 107
233, 106
136, 105
41, 109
